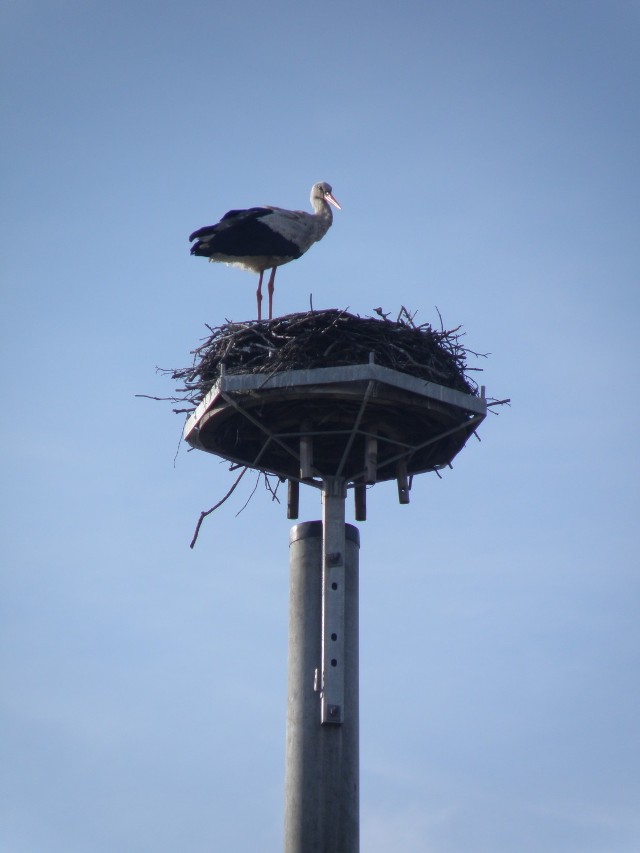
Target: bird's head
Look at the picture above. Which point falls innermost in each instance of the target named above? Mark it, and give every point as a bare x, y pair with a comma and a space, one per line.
323, 192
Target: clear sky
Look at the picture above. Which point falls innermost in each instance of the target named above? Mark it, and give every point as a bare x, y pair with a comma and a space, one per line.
485, 154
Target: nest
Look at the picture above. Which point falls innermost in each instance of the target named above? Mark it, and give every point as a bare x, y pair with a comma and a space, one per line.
330, 338
264, 431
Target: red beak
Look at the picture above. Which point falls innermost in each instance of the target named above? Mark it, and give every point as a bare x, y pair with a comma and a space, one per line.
328, 197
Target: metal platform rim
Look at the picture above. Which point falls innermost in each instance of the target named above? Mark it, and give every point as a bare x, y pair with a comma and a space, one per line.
289, 379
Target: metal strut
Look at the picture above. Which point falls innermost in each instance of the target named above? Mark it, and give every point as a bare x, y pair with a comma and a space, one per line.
333, 600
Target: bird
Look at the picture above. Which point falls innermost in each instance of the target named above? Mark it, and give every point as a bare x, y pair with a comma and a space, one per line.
262, 238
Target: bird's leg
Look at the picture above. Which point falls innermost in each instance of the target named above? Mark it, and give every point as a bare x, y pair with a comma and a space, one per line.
259, 295
270, 288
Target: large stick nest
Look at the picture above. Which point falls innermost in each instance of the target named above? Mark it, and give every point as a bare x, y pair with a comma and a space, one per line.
330, 338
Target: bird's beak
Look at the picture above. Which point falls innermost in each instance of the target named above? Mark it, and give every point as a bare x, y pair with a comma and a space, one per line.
328, 197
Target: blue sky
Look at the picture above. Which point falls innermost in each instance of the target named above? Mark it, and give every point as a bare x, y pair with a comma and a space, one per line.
486, 158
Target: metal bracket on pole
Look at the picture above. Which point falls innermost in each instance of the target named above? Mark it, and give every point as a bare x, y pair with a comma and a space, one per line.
333, 600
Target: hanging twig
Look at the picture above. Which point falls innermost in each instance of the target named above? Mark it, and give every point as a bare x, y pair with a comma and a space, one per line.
253, 491
270, 489
207, 512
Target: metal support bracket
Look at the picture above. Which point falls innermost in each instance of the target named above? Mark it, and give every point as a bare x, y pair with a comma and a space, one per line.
333, 600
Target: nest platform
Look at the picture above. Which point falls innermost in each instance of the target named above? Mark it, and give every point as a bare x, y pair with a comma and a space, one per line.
327, 394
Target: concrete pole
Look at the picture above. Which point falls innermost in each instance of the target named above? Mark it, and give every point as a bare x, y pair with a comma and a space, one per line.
322, 789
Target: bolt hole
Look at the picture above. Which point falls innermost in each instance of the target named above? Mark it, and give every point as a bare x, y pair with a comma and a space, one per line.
334, 585
334, 662
334, 637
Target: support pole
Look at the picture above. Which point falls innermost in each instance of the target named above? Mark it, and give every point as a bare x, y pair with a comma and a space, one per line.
322, 760
333, 601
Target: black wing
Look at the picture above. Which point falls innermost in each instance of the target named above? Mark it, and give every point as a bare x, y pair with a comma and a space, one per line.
229, 220
243, 233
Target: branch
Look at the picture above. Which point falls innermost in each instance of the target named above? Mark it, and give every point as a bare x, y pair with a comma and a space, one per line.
207, 512
246, 503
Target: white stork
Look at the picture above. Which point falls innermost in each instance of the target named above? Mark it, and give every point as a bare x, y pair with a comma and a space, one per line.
263, 238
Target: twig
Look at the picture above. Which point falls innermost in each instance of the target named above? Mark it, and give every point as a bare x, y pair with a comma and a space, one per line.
269, 488
253, 491
207, 512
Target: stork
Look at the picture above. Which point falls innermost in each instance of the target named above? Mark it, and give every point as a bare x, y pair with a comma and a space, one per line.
262, 238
